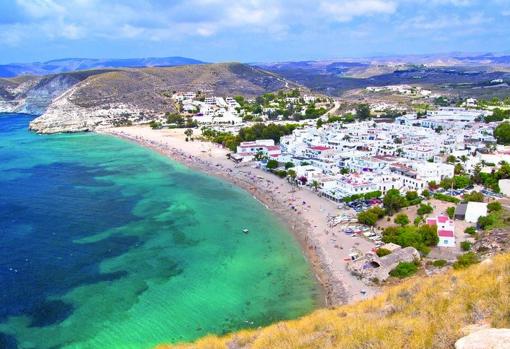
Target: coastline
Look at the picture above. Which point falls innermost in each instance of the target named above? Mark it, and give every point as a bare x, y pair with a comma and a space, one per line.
304, 213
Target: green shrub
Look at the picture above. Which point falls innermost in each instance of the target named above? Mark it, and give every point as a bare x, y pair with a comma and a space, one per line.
424, 209
470, 230
425, 193
381, 252
485, 221
465, 260
450, 211
446, 198
439, 263
404, 269
402, 219
418, 220
494, 206
465, 245
473, 196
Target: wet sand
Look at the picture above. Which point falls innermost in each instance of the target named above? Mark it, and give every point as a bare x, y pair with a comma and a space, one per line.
306, 214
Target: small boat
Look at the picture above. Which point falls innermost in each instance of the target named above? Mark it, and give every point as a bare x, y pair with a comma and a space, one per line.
246, 231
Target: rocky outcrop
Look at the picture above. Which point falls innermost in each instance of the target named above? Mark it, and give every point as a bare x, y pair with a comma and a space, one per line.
485, 339
88, 100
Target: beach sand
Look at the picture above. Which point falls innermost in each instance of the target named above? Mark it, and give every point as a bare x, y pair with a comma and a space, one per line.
305, 213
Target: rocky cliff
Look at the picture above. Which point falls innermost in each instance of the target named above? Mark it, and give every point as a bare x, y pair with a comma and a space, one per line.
84, 101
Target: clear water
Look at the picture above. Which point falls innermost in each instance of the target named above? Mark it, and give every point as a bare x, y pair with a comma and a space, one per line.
104, 244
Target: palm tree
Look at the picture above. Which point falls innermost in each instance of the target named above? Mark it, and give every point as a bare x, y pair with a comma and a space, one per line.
292, 175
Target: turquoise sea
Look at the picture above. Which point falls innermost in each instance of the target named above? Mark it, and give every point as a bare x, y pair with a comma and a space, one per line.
105, 244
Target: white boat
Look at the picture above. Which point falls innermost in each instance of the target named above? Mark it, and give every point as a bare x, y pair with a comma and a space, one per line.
246, 231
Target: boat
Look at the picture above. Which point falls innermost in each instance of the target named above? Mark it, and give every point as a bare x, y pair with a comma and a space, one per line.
246, 231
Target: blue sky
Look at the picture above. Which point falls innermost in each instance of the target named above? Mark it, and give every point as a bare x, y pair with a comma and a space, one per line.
249, 30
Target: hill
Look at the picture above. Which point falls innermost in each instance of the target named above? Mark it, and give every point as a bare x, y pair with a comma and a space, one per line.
424, 312
75, 64
85, 100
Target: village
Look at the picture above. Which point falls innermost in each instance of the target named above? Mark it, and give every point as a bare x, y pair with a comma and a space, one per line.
422, 185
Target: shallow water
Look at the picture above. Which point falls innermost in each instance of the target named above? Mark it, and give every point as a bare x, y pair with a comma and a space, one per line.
104, 244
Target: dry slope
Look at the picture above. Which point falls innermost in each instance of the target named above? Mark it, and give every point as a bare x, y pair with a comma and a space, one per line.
420, 313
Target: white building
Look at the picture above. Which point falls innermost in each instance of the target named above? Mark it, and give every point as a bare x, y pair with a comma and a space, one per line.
445, 230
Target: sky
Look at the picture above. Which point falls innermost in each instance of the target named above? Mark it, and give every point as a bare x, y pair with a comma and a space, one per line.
249, 30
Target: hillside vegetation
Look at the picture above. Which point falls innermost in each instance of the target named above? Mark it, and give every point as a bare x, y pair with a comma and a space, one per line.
428, 312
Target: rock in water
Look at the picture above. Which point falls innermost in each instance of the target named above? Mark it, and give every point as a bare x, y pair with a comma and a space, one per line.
491, 338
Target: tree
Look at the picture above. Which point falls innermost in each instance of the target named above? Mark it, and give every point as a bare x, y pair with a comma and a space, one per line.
272, 164
393, 201
319, 123
404, 269
315, 185
367, 217
429, 234
502, 133
451, 159
485, 222
470, 230
425, 193
155, 125
363, 111
292, 175
461, 181
458, 169
402, 219
450, 211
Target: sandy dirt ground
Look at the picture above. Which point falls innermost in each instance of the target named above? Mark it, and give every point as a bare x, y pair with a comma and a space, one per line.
306, 214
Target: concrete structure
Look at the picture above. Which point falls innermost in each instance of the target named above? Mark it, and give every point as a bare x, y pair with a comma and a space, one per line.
445, 230
474, 211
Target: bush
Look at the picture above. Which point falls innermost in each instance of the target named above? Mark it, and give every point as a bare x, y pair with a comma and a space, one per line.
450, 211
485, 221
494, 206
470, 230
402, 219
446, 198
421, 238
289, 165
381, 252
473, 196
418, 220
424, 209
465, 245
465, 260
426, 193
404, 269
272, 164
439, 263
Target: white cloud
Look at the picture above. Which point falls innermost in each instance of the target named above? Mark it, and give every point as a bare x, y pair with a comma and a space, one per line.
346, 10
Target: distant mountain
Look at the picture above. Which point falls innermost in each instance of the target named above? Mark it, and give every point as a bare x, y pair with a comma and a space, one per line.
75, 64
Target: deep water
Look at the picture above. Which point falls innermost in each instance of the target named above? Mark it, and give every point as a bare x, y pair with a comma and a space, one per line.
104, 244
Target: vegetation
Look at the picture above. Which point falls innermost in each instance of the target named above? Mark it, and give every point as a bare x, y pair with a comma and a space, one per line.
450, 211
370, 216
404, 269
272, 164
257, 131
470, 230
447, 198
502, 133
498, 115
421, 238
473, 196
391, 319
424, 209
402, 219
155, 125
465, 245
366, 196
363, 111
494, 206
439, 263
465, 260
381, 252
393, 201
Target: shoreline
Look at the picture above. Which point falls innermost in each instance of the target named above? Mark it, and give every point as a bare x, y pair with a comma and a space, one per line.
299, 209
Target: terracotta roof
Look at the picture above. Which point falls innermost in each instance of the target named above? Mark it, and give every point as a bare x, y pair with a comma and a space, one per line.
442, 219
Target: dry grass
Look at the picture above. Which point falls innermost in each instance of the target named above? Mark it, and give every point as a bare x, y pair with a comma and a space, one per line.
420, 313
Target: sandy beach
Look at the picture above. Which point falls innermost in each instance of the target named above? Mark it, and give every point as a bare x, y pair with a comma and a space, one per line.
305, 213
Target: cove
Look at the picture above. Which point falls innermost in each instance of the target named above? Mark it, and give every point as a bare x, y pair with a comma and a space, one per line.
105, 244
